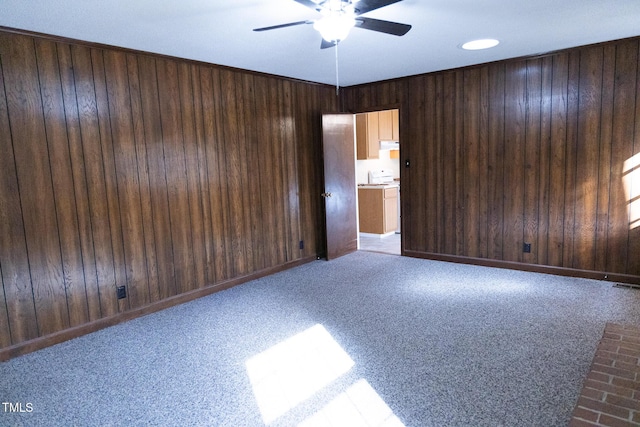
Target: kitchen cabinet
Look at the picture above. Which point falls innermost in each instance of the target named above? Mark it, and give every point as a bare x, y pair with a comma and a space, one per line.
378, 209
367, 139
371, 128
389, 125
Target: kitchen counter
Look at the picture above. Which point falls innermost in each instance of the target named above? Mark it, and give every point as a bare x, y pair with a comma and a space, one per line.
378, 186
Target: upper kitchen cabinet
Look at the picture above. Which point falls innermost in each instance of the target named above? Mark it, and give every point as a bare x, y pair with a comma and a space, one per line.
388, 125
371, 128
367, 136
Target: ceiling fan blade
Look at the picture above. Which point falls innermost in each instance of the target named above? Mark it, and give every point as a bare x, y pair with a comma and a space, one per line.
364, 6
310, 4
325, 44
380, 26
290, 24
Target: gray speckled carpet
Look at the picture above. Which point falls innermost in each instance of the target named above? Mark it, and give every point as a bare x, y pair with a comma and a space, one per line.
367, 339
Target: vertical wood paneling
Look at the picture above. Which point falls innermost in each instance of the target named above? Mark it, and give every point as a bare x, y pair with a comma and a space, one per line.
634, 181
213, 196
532, 169
62, 176
253, 193
306, 211
8, 172
164, 176
525, 150
429, 183
146, 213
495, 152
483, 164
26, 119
203, 183
100, 238
624, 98
458, 161
5, 339
284, 89
221, 192
634, 232
244, 168
439, 158
291, 181
127, 177
192, 161
587, 158
265, 171
111, 184
417, 173
558, 143
16, 276
515, 145
449, 171
81, 199
571, 163
175, 168
471, 112
232, 159
278, 172
124, 169
307, 162
546, 96
604, 164
157, 220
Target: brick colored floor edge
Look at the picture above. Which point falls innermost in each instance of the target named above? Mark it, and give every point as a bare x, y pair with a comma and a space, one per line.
611, 392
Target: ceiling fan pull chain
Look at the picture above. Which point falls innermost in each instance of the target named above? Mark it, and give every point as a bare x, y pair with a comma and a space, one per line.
337, 75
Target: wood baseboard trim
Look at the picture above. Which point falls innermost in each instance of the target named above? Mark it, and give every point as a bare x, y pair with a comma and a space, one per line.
77, 331
534, 268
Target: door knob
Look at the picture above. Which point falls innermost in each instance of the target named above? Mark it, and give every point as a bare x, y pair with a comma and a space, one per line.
326, 195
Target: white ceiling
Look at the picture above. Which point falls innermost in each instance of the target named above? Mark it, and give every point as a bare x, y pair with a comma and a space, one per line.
220, 32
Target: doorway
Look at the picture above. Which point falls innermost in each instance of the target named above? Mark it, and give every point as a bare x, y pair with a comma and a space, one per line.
378, 181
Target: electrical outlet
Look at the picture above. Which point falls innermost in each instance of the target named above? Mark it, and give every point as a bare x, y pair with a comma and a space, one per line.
526, 248
122, 292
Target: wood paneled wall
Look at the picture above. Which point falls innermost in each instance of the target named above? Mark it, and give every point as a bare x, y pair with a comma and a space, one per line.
119, 168
528, 150
165, 176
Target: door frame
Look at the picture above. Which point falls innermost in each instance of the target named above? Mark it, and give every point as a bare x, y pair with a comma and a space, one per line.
395, 106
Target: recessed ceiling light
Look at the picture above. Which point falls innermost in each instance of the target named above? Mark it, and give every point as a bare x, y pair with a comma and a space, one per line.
480, 44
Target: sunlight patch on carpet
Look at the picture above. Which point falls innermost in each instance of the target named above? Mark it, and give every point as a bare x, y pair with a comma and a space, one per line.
294, 370
359, 405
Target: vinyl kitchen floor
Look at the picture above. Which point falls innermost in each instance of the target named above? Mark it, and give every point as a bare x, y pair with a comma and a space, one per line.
387, 244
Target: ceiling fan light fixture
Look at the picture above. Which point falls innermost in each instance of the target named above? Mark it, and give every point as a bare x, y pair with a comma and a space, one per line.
480, 44
335, 27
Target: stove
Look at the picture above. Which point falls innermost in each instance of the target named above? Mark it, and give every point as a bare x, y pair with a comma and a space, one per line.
380, 177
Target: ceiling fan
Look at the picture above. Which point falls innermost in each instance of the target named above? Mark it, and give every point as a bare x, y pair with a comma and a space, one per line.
339, 16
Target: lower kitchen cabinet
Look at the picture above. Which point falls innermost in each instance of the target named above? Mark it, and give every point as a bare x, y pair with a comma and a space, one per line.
378, 209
